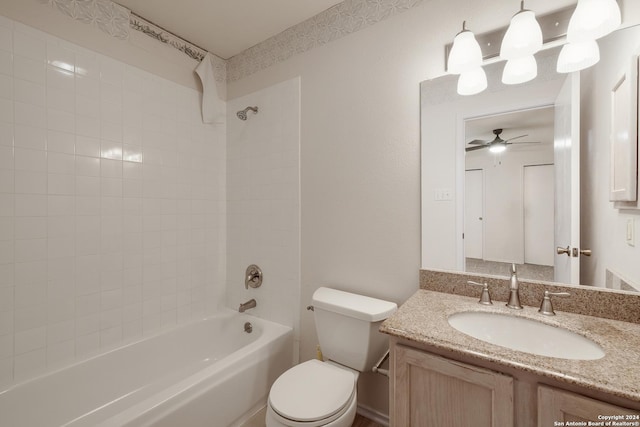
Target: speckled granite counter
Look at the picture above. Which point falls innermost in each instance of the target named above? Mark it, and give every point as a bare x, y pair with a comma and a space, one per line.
423, 319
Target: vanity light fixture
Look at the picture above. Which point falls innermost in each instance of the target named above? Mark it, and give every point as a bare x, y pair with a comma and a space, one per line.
472, 82
520, 70
593, 19
523, 37
465, 54
578, 56
575, 27
521, 41
465, 59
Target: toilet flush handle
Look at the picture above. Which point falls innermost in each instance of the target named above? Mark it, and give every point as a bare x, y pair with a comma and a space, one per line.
376, 367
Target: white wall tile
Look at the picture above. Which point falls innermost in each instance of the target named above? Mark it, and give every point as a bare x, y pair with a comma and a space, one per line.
6, 111
57, 78
30, 364
30, 137
29, 69
60, 57
29, 92
27, 227
100, 240
28, 182
60, 142
29, 45
6, 63
6, 39
61, 121
30, 115
58, 99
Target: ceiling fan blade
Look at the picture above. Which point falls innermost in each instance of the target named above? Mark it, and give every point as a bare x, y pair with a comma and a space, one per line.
515, 137
478, 142
475, 148
524, 142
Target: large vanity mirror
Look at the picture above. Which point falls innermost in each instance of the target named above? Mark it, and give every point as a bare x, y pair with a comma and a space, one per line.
521, 174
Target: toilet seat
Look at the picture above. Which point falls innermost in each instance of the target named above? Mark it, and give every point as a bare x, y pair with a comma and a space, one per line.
312, 393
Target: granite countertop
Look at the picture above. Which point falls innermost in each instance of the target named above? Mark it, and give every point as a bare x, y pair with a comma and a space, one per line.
423, 319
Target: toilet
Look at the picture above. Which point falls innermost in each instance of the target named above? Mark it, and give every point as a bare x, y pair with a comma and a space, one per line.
316, 393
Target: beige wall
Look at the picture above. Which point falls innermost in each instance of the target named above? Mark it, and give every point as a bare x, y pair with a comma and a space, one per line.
360, 151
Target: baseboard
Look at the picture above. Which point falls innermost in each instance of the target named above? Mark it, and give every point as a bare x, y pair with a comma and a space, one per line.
253, 418
373, 415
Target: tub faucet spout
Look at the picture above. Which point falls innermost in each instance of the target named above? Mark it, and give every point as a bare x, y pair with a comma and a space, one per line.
247, 305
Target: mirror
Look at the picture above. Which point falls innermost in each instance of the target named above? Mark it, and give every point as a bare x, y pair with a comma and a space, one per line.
449, 122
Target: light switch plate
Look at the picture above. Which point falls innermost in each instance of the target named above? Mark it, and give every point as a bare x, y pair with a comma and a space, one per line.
631, 232
442, 194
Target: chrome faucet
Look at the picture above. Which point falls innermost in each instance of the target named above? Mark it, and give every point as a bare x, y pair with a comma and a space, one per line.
514, 290
247, 305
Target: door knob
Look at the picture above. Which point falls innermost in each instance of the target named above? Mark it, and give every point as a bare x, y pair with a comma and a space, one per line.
566, 251
585, 252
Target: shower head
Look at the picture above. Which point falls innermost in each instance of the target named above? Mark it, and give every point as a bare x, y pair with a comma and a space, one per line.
242, 114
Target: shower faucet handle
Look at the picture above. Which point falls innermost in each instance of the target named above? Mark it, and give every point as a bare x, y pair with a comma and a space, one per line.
253, 277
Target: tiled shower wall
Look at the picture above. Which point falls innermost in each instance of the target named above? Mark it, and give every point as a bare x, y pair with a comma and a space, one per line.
263, 193
112, 204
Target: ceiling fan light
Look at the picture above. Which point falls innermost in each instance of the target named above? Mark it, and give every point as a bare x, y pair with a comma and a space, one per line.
520, 70
593, 19
465, 54
523, 37
578, 56
472, 82
497, 148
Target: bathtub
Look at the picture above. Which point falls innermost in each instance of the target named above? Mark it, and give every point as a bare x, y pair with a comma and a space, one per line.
207, 373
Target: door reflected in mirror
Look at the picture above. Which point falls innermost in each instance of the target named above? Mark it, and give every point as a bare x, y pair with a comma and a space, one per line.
509, 194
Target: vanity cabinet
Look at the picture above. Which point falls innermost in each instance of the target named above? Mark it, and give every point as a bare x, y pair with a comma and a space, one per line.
555, 405
433, 391
430, 389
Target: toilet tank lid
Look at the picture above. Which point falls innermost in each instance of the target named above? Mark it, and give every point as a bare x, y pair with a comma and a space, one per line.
353, 305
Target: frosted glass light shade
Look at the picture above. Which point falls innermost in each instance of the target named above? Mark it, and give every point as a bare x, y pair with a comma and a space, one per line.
520, 70
497, 148
523, 37
465, 54
593, 19
472, 82
578, 56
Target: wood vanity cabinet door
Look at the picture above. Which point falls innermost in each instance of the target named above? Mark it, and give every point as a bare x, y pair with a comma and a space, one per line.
431, 391
556, 407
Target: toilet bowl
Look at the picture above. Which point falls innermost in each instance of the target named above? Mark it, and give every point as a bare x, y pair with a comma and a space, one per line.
313, 394
316, 393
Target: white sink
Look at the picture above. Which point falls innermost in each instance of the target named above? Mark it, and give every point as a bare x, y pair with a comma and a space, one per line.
526, 335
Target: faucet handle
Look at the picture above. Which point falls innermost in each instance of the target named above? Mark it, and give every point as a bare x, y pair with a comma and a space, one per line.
546, 307
485, 298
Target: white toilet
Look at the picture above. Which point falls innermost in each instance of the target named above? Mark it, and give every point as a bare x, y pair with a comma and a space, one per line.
316, 393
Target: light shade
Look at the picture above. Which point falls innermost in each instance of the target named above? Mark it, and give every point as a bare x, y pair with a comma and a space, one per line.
520, 70
465, 54
523, 37
497, 148
472, 82
593, 19
578, 56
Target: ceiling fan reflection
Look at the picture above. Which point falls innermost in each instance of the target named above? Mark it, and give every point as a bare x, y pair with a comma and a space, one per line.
497, 144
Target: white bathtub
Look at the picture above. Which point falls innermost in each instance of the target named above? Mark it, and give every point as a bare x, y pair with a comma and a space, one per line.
208, 373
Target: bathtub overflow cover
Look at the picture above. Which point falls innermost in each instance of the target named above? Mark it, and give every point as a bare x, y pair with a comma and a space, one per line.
248, 327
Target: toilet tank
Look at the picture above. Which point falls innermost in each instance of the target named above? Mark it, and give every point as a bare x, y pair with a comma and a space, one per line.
347, 326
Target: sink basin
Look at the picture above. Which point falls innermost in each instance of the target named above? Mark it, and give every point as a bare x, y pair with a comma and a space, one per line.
529, 336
